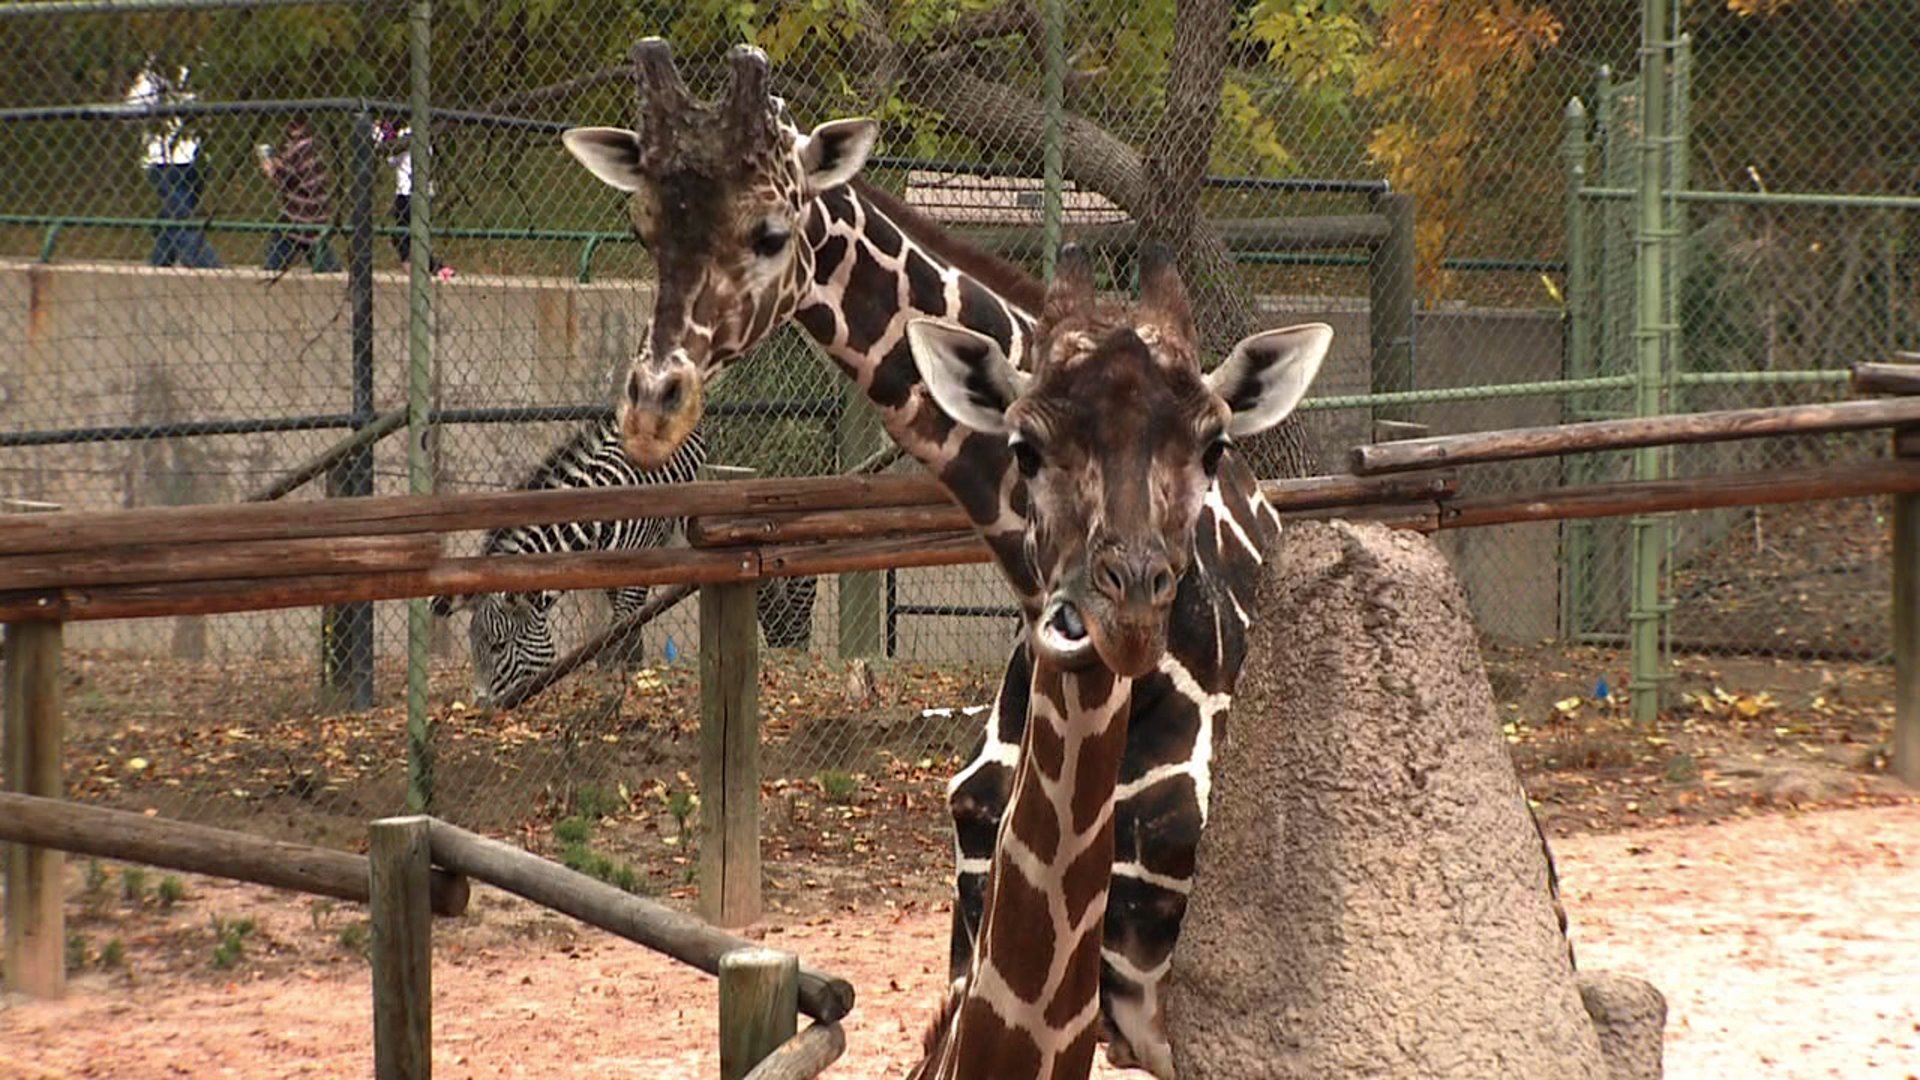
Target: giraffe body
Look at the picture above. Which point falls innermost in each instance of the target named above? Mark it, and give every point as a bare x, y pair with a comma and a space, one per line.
1118, 438
853, 268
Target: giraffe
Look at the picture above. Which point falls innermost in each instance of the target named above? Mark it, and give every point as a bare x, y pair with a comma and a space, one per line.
752, 223
1118, 436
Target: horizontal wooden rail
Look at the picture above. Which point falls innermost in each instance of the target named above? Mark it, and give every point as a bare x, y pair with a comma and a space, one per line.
201, 849
1518, 443
141, 562
1306, 494
500, 573
654, 566
824, 997
76, 531
1703, 493
804, 1056
1881, 378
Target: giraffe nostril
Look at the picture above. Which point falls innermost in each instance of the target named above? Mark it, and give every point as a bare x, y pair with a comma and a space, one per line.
1162, 585
674, 393
633, 388
1108, 578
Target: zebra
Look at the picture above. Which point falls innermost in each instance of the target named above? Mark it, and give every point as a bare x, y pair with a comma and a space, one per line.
510, 635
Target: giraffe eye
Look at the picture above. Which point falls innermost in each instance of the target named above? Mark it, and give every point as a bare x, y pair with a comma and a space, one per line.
769, 239
1210, 460
1026, 456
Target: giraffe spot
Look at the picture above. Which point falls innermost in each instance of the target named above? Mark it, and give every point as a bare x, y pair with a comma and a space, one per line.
1046, 748
870, 301
1020, 936
884, 237
1095, 772
1037, 824
986, 1046
818, 320
827, 258
1075, 1060
984, 312
894, 377
1085, 878
1175, 728
1143, 920
1159, 826
975, 488
925, 287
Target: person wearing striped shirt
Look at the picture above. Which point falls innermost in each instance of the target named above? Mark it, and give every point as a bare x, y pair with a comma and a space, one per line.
298, 169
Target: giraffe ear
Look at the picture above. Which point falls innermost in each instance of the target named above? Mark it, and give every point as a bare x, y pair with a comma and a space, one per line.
1268, 373
966, 372
612, 154
833, 152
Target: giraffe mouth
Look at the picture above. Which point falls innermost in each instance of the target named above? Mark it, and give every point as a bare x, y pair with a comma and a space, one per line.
1063, 636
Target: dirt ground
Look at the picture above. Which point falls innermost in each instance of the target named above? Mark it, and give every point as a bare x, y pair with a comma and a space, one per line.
1785, 944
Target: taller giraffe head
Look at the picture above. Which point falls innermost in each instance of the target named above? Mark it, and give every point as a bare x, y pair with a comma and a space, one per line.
717, 191
1118, 435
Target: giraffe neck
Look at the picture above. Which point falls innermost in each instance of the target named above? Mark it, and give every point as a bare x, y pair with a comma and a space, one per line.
871, 277
1030, 1006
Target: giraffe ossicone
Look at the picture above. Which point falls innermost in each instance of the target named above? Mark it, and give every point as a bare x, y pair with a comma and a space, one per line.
1119, 436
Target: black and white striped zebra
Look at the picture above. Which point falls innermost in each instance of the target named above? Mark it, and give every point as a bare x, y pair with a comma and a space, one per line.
511, 637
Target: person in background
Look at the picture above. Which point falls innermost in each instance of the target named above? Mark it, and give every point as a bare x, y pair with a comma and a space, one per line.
299, 171
172, 163
396, 146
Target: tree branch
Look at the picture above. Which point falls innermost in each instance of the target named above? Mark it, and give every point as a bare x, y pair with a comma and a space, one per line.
1167, 207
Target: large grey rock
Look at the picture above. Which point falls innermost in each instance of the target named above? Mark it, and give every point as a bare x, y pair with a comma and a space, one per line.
1371, 898
1631, 1016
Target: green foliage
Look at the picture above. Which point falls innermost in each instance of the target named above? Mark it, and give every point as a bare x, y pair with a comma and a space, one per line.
96, 881
681, 804
78, 950
839, 787
133, 884
356, 937
572, 830
172, 890
230, 937
594, 803
113, 954
576, 854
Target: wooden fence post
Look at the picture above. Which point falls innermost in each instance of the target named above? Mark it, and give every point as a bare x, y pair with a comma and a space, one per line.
397, 851
759, 1007
729, 866
36, 934
1906, 620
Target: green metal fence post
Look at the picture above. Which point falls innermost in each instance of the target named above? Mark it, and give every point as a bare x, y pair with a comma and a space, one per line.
1390, 307
1576, 536
1652, 329
419, 389
347, 629
1053, 164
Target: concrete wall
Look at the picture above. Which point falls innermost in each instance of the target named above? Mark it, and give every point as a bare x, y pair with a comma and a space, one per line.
110, 344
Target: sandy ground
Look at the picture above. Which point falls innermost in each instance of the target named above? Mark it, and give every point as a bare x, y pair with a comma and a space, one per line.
1788, 947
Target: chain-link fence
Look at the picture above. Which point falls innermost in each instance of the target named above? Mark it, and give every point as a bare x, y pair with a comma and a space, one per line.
188, 188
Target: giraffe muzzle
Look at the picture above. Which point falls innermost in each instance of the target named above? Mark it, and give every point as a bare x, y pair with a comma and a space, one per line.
659, 408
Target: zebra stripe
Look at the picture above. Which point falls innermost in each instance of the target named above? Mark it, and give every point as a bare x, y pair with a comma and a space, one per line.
510, 635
